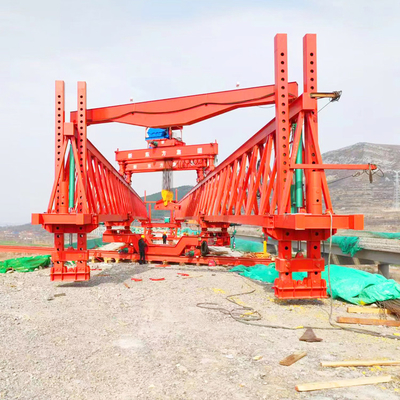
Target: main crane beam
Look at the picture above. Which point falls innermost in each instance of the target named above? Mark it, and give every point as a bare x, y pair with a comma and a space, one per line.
187, 110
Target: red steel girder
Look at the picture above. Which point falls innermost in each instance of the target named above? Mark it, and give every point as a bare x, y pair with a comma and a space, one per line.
187, 110
156, 166
106, 196
184, 152
27, 249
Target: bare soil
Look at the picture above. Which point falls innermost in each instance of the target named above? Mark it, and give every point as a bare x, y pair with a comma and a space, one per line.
103, 340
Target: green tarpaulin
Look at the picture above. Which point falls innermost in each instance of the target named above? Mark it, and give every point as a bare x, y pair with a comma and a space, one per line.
24, 264
351, 285
351, 244
348, 244
91, 243
387, 235
248, 246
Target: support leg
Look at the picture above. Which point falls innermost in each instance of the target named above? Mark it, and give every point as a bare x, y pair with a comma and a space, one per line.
383, 269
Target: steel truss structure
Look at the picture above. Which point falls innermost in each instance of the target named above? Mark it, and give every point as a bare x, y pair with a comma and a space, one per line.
275, 180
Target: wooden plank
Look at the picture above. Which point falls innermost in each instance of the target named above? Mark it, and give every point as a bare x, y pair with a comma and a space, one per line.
358, 363
307, 387
368, 310
289, 360
367, 321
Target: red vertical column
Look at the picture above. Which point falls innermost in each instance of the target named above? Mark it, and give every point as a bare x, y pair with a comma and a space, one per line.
82, 270
313, 177
282, 152
81, 127
59, 136
281, 113
58, 266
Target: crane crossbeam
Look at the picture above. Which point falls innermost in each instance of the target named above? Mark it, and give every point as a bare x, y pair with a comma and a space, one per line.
187, 110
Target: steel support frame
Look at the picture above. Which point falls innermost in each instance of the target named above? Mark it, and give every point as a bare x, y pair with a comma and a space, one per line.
100, 193
252, 186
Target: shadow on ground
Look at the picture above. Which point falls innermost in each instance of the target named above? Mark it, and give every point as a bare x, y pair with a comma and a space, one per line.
118, 273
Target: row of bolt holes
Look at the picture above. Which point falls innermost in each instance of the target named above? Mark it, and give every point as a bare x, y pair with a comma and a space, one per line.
81, 134
81, 127
315, 247
283, 112
58, 236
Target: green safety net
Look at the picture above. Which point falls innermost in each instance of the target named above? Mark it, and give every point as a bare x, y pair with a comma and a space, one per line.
387, 235
189, 231
24, 264
351, 244
348, 244
351, 285
248, 246
91, 243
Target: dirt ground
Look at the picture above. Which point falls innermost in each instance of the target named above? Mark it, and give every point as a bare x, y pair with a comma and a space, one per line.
102, 340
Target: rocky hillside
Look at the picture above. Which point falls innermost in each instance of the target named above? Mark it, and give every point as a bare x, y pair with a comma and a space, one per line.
352, 192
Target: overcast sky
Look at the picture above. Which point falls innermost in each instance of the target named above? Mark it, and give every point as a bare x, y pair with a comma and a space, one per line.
158, 49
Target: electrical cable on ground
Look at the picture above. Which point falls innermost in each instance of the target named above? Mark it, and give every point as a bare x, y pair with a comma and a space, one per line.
333, 324
247, 315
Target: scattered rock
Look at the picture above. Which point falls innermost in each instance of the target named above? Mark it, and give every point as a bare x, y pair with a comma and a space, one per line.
182, 368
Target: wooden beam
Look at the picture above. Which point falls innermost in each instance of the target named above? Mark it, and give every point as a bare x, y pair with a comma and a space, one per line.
367, 321
289, 360
307, 387
358, 363
368, 310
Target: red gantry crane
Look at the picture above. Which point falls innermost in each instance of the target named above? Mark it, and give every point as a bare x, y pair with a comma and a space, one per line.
275, 180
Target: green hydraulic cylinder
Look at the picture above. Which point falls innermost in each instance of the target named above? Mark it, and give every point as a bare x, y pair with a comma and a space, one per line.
299, 176
293, 199
71, 179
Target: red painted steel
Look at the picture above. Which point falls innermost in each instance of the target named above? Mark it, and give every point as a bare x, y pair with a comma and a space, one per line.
197, 260
179, 258
169, 154
179, 152
27, 249
101, 194
181, 111
252, 186
156, 166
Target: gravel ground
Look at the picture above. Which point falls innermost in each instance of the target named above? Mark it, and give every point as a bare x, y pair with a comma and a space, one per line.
103, 340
